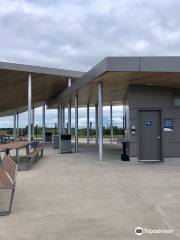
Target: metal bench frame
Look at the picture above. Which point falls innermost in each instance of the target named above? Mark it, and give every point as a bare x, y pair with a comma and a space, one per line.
40, 148
30, 157
34, 155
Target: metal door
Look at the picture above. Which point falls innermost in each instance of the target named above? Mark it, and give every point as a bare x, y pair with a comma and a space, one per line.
150, 145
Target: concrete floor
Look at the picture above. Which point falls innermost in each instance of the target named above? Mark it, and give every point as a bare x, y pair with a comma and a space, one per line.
74, 197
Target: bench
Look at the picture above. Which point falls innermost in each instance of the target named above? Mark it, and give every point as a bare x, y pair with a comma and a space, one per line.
40, 149
32, 156
8, 170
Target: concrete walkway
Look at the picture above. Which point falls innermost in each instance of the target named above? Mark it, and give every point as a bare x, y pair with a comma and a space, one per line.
76, 197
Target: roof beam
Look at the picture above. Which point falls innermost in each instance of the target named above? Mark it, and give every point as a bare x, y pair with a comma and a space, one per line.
38, 69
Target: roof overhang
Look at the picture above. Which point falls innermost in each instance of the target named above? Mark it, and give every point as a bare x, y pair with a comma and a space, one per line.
117, 73
47, 83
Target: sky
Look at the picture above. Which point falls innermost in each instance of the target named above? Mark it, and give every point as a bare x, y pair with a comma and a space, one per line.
51, 118
77, 34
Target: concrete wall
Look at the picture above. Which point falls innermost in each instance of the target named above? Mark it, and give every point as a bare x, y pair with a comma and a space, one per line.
143, 97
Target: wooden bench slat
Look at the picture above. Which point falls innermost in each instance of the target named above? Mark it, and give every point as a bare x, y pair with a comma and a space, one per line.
10, 166
1, 184
6, 182
33, 154
39, 148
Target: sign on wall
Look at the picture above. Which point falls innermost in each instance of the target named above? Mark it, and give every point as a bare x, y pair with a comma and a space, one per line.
149, 123
168, 125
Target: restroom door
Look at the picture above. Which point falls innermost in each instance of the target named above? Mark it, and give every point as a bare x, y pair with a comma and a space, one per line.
150, 146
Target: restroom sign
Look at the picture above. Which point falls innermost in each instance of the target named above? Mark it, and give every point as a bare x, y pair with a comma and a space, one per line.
168, 125
149, 123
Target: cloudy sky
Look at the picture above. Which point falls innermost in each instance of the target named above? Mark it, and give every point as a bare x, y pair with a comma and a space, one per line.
77, 34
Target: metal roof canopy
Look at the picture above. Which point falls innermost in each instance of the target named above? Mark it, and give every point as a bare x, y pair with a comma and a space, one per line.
47, 83
116, 73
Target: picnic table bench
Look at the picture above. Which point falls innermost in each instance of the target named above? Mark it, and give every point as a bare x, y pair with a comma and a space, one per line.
40, 148
34, 155
8, 171
15, 145
31, 155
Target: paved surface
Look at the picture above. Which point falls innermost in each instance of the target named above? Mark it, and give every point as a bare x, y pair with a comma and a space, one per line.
74, 197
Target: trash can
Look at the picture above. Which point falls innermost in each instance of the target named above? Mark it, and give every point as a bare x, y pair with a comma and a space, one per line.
48, 136
56, 141
125, 153
65, 146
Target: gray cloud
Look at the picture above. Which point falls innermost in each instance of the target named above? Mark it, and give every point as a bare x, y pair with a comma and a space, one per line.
77, 34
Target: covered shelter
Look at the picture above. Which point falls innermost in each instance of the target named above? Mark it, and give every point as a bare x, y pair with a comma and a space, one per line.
25, 87
149, 89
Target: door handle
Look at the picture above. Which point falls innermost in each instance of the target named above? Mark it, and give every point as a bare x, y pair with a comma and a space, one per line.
158, 137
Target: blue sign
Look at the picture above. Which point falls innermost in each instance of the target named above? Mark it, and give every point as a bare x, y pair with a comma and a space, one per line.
149, 123
168, 123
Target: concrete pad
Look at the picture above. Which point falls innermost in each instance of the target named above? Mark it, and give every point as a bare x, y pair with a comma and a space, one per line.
74, 196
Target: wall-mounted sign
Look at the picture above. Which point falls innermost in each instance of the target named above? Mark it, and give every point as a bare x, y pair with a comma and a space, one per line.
149, 123
168, 125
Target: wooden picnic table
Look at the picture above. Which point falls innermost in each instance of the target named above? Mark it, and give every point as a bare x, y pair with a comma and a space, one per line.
14, 145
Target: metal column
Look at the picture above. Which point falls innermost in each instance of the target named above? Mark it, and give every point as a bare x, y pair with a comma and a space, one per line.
60, 125
100, 119
29, 105
14, 131
96, 117
58, 120
69, 109
111, 124
43, 124
69, 118
17, 131
69, 82
33, 129
88, 123
76, 123
63, 119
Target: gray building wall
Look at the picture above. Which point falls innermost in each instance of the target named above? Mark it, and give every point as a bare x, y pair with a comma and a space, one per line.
154, 98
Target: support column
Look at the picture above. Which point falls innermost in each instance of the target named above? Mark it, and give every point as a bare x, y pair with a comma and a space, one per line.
69, 118
76, 123
111, 124
60, 125
96, 117
17, 131
33, 112
29, 104
69, 109
100, 119
43, 124
63, 119
14, 130
88, 123
58, 120
69, 82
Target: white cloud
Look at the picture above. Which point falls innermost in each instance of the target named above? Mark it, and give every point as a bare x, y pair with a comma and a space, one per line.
76, 34
51, 117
